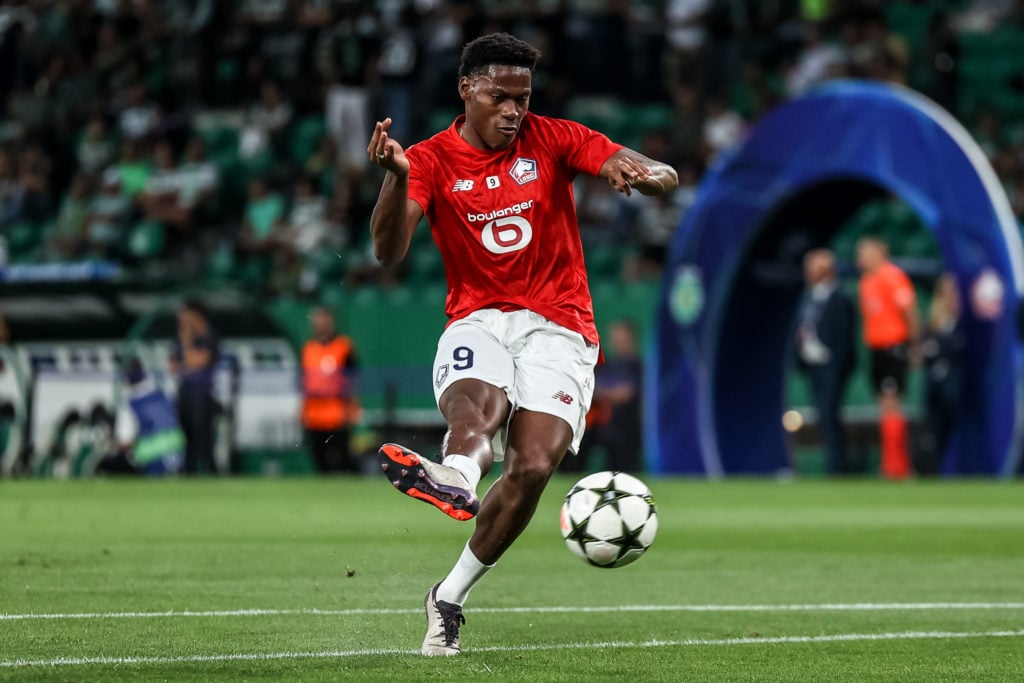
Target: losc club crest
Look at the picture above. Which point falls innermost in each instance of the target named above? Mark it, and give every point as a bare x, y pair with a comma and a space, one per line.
523, 170
442, 375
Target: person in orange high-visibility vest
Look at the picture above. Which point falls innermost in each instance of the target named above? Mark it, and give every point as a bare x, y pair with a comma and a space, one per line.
891, 327
329, 404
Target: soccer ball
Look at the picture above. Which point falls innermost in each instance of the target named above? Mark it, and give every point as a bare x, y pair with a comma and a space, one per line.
609, 519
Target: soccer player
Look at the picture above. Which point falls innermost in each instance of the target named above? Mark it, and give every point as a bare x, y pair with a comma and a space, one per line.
514, 370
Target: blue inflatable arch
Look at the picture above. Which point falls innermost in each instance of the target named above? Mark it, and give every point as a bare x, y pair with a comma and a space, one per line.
715, 393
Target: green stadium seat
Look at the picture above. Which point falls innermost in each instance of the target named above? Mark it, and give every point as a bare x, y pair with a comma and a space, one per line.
221, 264
426, 265
604, 260
368, 297
603, 114
329, 266
441, 119
220, 139
433, 296
147, 239
23, 239
398, 297
909, 20
226, 71
333, 296
305, 138
254, 272
651, 116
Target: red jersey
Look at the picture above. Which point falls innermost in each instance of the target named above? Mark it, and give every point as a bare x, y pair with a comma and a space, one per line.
505, 220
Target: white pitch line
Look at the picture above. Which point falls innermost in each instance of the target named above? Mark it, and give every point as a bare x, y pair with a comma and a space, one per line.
599, 609
541, 647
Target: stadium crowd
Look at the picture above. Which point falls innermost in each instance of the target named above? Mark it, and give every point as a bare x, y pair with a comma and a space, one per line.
188, 139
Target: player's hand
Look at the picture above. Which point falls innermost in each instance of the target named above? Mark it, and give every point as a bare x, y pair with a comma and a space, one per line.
386, 152
628, 174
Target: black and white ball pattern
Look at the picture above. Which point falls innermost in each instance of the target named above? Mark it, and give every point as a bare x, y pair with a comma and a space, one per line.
609, 519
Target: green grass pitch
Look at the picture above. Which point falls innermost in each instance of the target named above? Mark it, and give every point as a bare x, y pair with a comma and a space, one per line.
303, 579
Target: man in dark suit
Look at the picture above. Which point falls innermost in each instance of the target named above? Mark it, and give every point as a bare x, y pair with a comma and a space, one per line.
825, 348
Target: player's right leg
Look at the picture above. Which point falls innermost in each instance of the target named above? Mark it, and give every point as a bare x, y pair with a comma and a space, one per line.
473, 373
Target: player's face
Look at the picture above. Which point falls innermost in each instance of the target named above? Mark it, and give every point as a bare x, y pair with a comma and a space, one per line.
496, 103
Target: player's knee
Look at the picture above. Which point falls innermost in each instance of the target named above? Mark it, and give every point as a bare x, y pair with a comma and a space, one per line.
530, 470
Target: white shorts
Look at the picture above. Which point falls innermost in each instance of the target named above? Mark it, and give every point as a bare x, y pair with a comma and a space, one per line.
541, 366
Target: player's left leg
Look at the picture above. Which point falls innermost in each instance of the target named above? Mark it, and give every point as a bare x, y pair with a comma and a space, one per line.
537, 442
553, 387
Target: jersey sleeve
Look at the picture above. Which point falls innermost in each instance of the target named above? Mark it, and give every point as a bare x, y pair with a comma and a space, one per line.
420, 173
902, 290
583, 149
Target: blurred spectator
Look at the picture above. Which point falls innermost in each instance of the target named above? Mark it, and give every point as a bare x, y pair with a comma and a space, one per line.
657, 220
888, 309
598, 206
685, 35
826, 351
262, 12
12, 194
942, 346
322, 164
173, 193
70, 231
818, 61
347, 110
158, 198
397, 69
34, 170
308, 225
687, 139
263, 213
141, 70
140, 117
442, 29
108, 217
983, 15
618, 384
134, 167
96, 149
263, 238
193, 361
597, 53
943, 62
330, 407
198, 178
723, 127
266, 123
315, 236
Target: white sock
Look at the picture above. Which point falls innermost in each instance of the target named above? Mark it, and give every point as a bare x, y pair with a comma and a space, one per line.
467, 465
463, 576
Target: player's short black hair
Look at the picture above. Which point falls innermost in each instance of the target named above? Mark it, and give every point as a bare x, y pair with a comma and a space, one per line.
496, 48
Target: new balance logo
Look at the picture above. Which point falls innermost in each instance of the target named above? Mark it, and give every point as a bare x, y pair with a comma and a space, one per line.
462, 185
563, 397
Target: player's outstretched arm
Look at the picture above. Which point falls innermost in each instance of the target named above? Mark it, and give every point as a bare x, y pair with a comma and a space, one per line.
628, 170
395, 216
